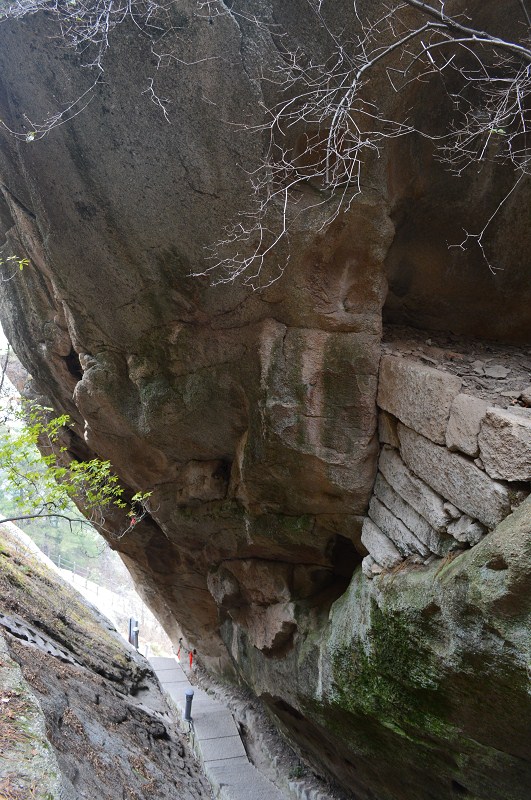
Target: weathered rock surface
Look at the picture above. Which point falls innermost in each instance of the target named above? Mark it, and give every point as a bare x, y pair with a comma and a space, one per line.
403, 502
505, 444
82, 713
466, 529
455, 478
466, 415
251, 416
388, 429
381, 547
460, 356
405, 541
420, 396
28, 764
405, 667
420, 497
433, 540
526, 395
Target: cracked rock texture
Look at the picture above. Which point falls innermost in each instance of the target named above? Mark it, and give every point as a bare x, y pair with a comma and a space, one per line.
252, 416
82, 712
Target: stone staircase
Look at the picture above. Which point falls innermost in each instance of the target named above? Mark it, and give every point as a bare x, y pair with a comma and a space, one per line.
215, 739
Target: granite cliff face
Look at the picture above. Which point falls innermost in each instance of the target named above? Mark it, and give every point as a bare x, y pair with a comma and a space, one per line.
252, 416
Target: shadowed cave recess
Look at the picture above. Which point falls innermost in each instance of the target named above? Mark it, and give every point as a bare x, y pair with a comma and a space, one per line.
339, 460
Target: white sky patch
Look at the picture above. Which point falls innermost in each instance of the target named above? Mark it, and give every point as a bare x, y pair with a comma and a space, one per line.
3, 340
8, 391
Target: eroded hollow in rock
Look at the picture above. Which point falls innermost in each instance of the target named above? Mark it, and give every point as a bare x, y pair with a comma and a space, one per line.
73, 364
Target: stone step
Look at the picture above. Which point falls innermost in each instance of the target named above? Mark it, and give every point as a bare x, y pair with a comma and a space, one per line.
215, 739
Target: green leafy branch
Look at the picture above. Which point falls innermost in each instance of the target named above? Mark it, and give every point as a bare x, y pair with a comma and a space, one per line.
44, 479
15, 264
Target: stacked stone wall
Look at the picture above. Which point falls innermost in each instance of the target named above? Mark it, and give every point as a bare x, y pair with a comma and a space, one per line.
451, 467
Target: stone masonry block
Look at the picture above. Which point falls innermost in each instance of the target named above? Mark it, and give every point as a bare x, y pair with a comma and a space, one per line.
467, 530
435, 542
366, 566
387, 430
466, 415
379, 546
405, 541
413, 490
419, 396
505, 444
525, 395
456, 478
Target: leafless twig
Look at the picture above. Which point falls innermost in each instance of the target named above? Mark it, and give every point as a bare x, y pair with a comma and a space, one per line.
328, 124
320, 135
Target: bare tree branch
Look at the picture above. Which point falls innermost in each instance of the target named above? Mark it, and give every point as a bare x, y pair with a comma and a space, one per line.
475, 35
328, 105
478, 238
526, 12
487, 80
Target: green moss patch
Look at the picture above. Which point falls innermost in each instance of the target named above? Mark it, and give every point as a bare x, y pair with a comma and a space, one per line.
391, 677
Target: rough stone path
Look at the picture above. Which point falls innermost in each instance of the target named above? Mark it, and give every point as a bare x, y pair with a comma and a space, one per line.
215, 739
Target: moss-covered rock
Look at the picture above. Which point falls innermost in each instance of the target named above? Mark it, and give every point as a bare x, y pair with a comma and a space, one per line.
426, 676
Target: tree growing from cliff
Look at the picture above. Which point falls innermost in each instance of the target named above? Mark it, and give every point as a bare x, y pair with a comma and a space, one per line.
41, 479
